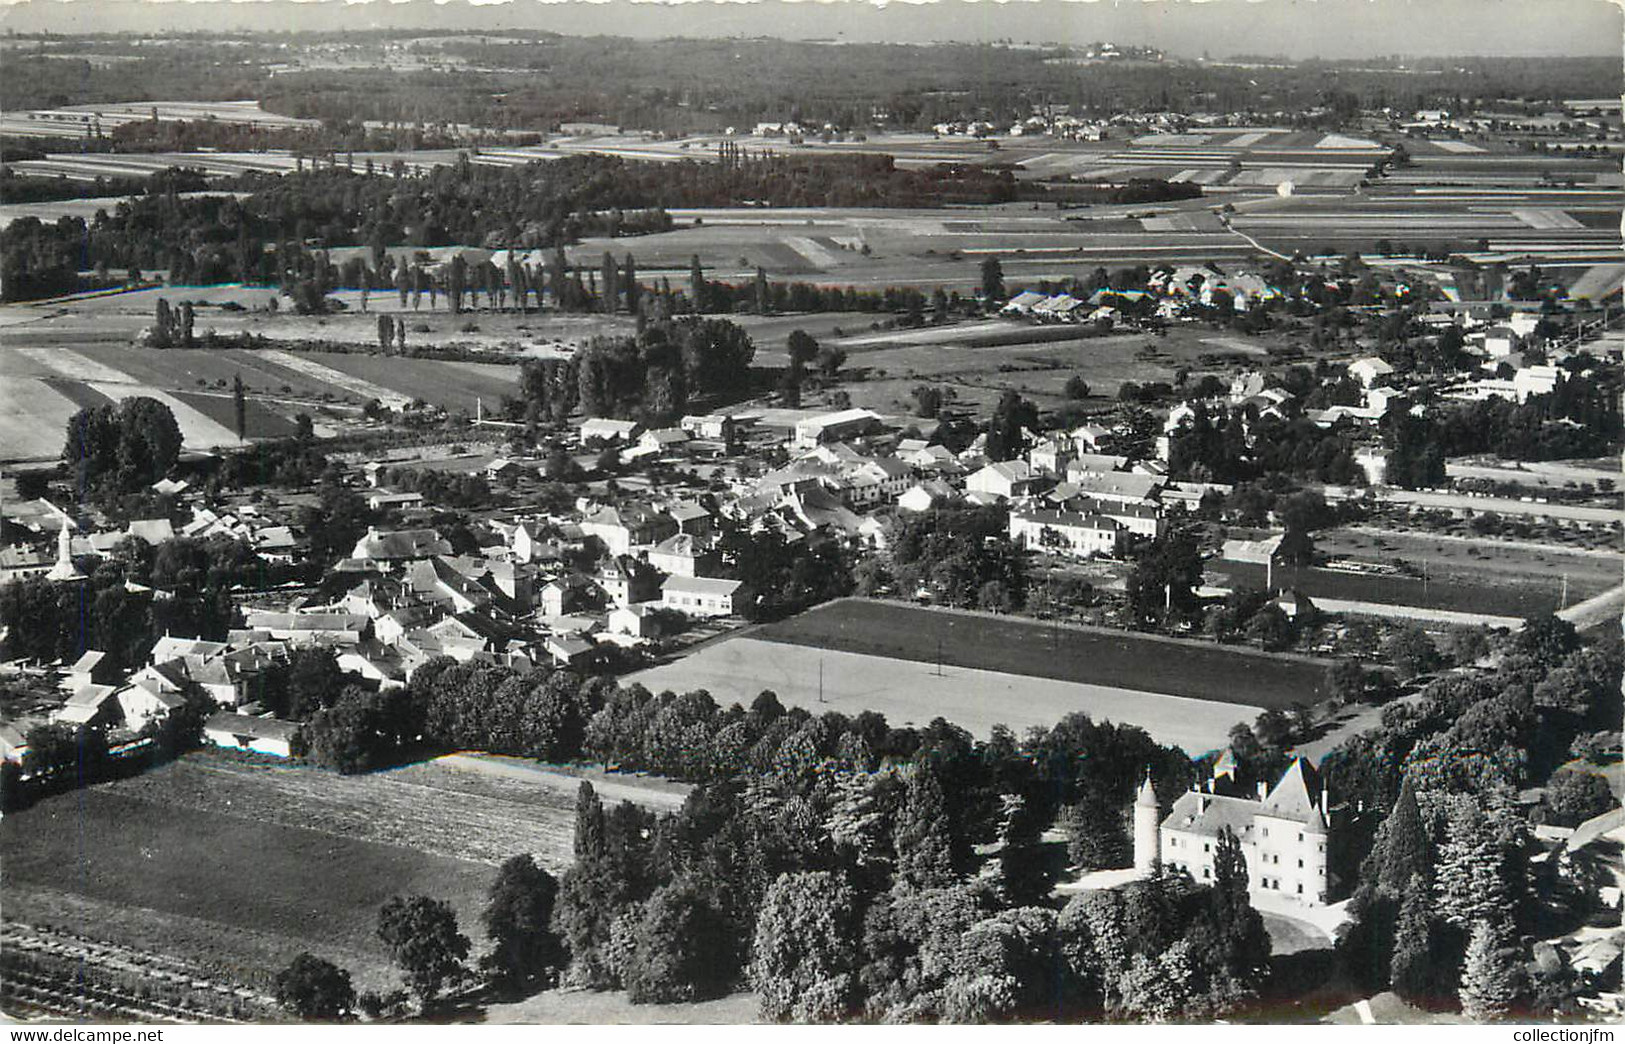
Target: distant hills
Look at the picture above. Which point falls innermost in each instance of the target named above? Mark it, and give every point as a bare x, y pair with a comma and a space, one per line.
1296, 28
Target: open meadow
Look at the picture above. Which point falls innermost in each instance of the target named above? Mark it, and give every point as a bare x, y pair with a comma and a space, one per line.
912, 691
233, 867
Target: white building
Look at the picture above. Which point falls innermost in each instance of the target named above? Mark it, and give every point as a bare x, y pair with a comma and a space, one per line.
1066, 532
702, 596
1283, 833
1006, 479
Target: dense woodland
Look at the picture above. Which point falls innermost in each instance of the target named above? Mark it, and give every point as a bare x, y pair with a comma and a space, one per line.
536, 81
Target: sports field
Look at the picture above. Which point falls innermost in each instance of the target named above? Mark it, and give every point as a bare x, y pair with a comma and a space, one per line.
1144, 663
913, 692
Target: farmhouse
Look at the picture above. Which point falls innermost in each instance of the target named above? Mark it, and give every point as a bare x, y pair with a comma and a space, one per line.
703, 596
242, 732
605, 429
835, 427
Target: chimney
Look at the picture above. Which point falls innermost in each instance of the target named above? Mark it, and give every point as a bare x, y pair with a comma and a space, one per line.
1263, 790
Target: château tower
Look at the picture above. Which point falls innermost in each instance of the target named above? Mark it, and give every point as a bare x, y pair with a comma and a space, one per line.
1147, 828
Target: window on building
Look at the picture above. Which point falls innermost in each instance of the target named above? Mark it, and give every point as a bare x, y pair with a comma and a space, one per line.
1207, 872
1300, 838
1266, 831
1300, 889
1300, 864
1206, 847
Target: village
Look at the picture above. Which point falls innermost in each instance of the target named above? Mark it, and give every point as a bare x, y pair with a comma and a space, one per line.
1081, 551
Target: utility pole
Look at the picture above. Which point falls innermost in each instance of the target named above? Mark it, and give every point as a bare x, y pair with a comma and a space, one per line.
820, 679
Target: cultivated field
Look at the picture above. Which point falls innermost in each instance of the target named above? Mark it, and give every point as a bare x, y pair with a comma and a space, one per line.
1450, 593
235, 867
978, 373
910, 691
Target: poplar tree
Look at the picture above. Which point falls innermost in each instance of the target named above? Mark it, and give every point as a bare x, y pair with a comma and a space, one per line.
239, 407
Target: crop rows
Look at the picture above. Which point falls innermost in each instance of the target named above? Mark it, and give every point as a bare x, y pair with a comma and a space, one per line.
58, 973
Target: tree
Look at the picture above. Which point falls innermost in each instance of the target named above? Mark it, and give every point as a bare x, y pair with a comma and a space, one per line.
1489, 974
921, 838
992, 280
517, 918
1346, 680
683, 948
696, 285
629, 284
1413, 969
1547, 638
804, 950
423, 940
801, 347
830, 360
386, 332
314, 990
1244, 943
123, 447
1575, 795
1163, 581
1005, 429
239, 407
611, 297
1096, 835
1411, 652
760, 295
1076, 387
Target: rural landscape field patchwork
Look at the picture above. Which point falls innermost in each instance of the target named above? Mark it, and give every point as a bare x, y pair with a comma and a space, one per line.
811, 514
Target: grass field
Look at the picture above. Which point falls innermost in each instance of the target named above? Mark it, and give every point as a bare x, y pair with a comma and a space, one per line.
287, 888
909, 691
1198, 670
235, 867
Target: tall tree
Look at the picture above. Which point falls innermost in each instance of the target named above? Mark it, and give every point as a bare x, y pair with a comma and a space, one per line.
992, 280
696, 285
423, 940
1011, 417
610, 294
629, 283
239, 407
517, 918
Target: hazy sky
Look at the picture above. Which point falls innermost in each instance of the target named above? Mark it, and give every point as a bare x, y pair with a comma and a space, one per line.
1296, 28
